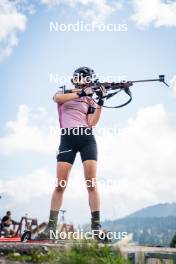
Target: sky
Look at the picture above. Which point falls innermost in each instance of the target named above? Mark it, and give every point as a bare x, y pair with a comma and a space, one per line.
136, 166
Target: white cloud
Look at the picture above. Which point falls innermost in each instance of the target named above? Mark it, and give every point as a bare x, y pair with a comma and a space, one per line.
11, 21
31, 131
160, 13
95, 10
173, 84
22, 189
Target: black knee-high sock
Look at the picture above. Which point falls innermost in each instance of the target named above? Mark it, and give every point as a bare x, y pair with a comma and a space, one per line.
52, 223
95, 220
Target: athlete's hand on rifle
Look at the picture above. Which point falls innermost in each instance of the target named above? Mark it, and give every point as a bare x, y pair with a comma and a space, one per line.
85, 92
102, 92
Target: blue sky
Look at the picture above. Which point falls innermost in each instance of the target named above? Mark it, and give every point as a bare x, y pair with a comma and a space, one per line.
146, 50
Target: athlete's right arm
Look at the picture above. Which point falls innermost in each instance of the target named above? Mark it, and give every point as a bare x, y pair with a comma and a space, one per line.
61, 98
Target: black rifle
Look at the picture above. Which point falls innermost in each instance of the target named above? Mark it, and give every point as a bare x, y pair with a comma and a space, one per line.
115, 87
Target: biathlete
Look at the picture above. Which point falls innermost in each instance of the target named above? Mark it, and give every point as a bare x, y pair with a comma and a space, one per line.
77, 110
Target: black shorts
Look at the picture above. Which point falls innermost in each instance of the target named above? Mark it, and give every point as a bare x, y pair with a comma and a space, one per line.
83, 142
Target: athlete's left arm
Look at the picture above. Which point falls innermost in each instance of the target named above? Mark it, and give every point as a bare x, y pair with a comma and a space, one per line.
94, 116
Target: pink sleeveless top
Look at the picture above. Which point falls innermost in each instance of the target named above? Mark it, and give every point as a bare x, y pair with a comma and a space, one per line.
73, 113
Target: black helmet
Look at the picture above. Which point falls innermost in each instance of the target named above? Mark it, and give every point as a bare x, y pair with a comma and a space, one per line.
8, 213
84, 72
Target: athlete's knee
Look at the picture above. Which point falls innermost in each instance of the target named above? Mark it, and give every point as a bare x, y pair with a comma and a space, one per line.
61, 186
91, 185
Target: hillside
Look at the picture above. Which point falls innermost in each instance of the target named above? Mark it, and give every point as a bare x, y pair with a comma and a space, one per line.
154, 225
158, 210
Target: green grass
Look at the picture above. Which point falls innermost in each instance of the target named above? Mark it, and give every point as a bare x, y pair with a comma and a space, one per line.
83, 253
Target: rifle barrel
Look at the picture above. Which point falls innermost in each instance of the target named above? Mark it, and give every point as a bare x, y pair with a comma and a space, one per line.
147, 80
160, 79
